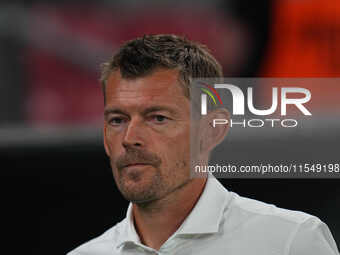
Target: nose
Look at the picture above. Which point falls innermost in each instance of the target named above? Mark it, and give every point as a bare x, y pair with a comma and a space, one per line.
133, 136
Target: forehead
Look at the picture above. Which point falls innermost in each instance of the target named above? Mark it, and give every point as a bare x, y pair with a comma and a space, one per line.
161, 86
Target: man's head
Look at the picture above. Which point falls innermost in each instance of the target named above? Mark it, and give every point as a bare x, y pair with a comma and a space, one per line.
147, 113
140, 57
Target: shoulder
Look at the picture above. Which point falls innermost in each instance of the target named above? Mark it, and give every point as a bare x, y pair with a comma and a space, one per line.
103, 244
295, 232
242, 212
253, 208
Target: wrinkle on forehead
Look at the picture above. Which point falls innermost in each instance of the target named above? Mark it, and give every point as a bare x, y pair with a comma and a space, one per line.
162, 83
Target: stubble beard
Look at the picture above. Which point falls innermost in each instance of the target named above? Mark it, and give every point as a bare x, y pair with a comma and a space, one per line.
140, 191
157, 186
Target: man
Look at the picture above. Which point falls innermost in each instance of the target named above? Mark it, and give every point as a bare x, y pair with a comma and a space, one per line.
147, 137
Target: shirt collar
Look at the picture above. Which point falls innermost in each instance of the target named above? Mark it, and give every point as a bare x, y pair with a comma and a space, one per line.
204, 218
207, 214
128, 233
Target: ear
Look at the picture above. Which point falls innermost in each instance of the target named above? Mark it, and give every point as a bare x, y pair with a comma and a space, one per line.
213, 129
107, 149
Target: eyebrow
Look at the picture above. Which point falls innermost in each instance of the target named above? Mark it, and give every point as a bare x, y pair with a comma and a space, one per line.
159, 108
108, 111
148, 110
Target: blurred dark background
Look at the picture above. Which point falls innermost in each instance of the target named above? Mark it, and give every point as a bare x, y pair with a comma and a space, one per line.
56, 184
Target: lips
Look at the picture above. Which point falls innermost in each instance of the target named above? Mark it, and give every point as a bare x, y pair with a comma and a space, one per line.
136, 164
137, 158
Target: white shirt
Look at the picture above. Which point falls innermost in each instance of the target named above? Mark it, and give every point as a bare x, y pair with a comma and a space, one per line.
224, 223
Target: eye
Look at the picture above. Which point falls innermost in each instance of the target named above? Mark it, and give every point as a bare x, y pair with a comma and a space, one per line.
159, 118
116, 121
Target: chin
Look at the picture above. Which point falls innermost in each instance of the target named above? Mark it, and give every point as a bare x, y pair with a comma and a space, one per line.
139, 192
140, 197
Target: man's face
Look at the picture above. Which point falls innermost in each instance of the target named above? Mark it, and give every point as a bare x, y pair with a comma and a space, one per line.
147, 134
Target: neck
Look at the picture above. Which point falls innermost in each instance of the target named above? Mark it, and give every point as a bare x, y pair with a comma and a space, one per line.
156, 221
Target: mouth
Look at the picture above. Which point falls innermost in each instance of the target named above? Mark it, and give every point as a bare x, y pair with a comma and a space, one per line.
136, 165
